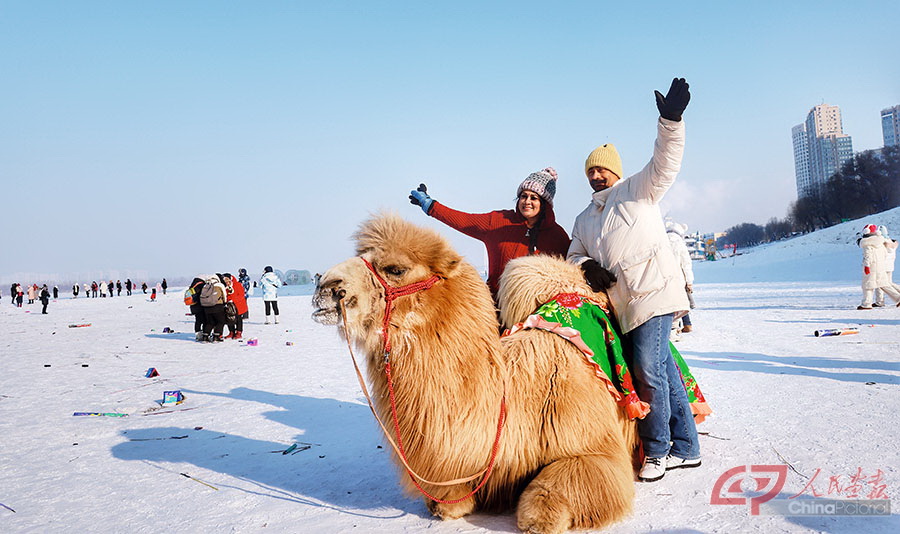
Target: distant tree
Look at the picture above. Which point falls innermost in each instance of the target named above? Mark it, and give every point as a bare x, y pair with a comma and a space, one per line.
878, 176
805, 214
746, 235
721, 242
777, 229
844, 197
891, 157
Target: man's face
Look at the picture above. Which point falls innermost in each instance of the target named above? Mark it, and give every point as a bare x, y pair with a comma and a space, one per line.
601, 178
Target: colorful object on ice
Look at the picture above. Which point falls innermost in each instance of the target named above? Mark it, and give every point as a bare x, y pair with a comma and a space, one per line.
100, 414
252, 342
583, 322
198, 480
699, 407
79, 325
289, 449
167, 330
836, 332
173, 397
151, 373
289, 343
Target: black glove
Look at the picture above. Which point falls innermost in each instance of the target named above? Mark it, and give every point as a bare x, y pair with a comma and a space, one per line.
596, 276
672, 105
419, 197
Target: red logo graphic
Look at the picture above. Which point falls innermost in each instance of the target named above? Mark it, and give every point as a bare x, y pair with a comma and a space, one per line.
854, 487
770, 482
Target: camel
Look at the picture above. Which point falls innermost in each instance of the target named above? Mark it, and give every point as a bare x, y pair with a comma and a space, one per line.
564, 458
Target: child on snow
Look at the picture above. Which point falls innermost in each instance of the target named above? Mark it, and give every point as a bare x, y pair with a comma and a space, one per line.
874, 267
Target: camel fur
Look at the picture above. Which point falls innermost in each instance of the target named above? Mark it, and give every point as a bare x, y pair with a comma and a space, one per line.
564, 458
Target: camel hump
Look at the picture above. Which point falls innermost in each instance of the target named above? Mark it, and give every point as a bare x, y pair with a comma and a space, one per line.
530, 281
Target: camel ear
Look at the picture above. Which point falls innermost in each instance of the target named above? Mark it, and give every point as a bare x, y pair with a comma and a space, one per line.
446, 264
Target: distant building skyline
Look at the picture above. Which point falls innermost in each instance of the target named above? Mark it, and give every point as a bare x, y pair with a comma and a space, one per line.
890, 125
801, 159
820, 148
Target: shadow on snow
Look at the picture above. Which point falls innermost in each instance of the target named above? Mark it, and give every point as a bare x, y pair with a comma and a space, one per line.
795, 365
180, 336
343, 468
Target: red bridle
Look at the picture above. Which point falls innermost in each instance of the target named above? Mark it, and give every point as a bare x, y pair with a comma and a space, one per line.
390, 294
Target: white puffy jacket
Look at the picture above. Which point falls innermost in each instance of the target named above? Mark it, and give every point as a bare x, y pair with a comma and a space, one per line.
682, 256
875, 258
891, 254
622, 229
270, 284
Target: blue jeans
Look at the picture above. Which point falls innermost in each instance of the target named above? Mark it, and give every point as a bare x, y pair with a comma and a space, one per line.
657, 381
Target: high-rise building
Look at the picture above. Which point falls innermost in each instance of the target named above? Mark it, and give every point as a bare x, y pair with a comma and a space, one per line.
890, 125
801, 160
825, 149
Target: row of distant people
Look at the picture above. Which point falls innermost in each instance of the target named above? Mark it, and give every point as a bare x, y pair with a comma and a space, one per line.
94, 289
17, 293
103, 288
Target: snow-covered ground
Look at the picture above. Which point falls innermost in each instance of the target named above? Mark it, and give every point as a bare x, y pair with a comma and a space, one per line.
825, 405
826, 255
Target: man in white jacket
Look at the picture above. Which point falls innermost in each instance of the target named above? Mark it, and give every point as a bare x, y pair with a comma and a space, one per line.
620, 242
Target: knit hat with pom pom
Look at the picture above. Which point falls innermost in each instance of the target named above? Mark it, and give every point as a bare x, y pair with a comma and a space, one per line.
541, 182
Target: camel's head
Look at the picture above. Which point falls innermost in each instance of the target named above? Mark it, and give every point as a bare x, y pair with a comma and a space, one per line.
530, 281
401, 253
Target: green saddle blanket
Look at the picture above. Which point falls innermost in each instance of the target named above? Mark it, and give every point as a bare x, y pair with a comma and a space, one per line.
586, 324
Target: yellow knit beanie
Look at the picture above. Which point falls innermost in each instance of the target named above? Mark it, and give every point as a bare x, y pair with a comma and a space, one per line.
607, 157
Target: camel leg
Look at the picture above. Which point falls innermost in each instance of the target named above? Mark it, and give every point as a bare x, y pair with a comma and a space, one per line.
581, 492
451, 511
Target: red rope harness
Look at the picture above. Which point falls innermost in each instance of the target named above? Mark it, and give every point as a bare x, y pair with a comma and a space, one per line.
390, 294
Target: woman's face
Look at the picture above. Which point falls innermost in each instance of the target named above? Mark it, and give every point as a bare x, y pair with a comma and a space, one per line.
529, 205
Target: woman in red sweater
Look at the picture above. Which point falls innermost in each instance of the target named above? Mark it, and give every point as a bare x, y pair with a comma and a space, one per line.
507, 234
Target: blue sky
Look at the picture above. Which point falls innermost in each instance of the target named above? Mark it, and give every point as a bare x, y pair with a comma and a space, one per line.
180, 137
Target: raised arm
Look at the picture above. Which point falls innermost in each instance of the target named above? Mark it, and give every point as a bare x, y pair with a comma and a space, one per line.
655, 179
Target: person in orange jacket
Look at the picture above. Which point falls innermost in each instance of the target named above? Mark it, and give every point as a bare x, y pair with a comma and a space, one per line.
235, 291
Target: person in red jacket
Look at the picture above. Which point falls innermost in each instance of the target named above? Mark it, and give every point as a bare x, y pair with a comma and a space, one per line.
508, 234
235, 292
